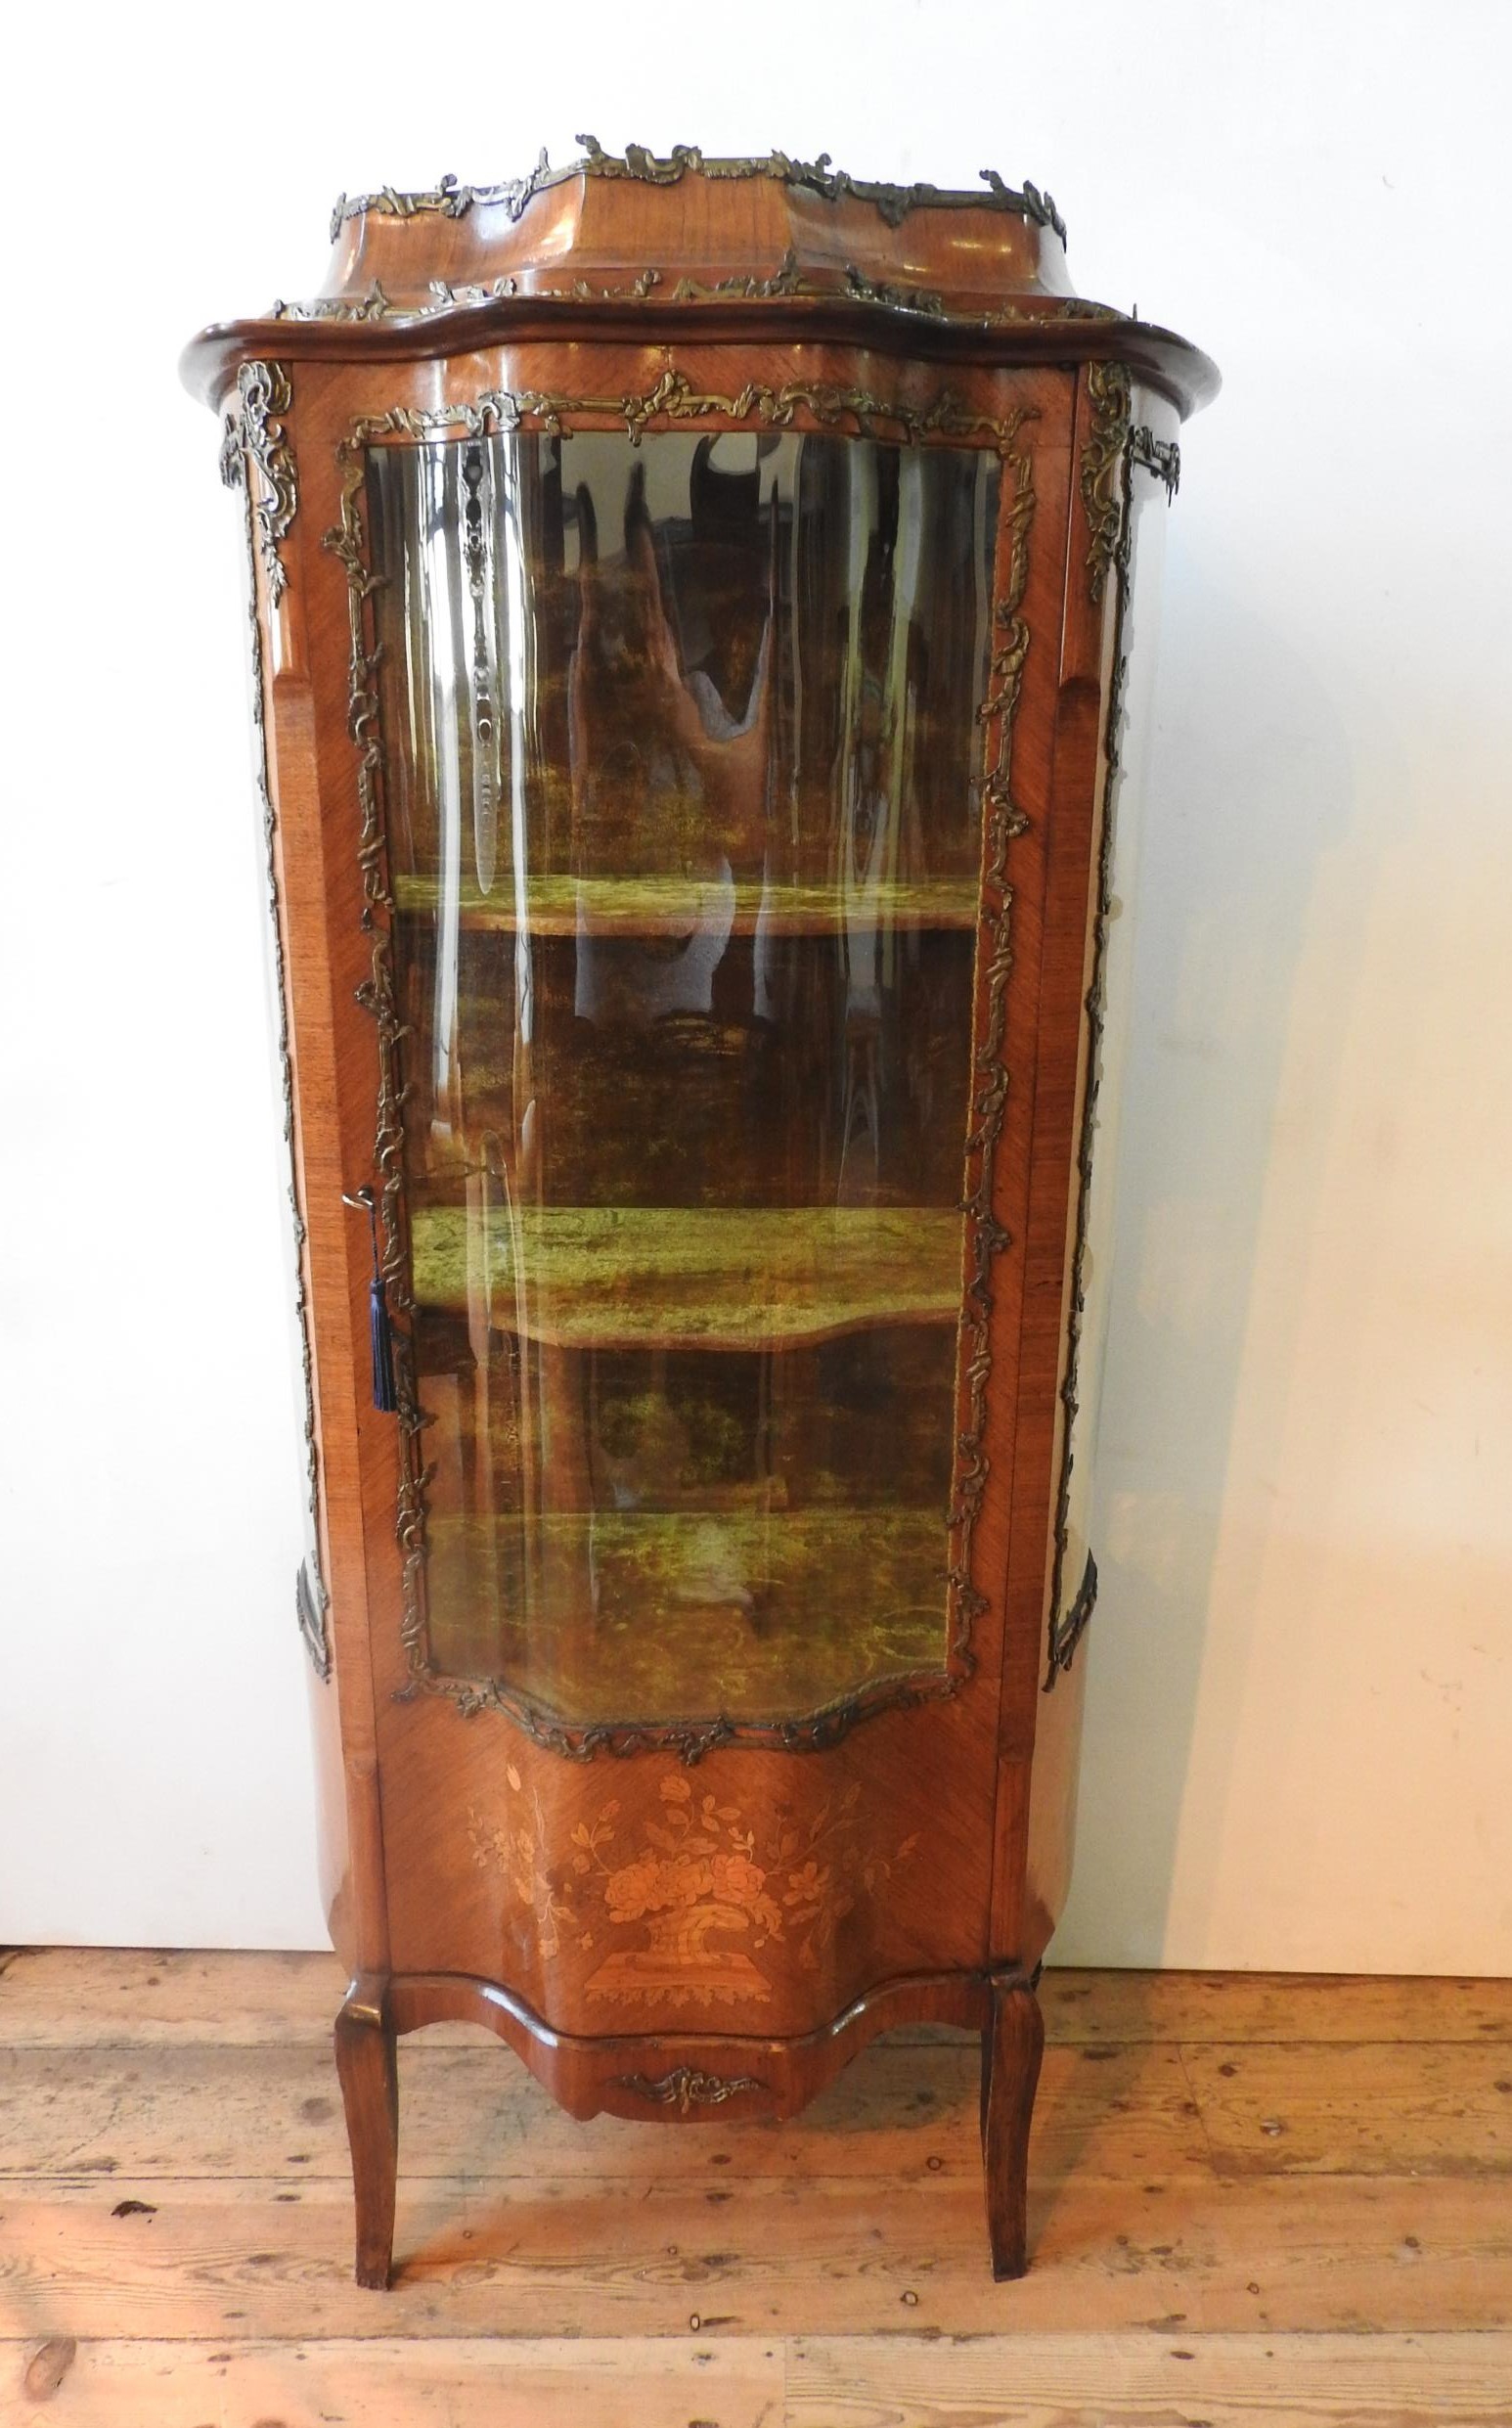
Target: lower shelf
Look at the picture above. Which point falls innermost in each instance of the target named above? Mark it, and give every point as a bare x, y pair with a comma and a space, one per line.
657, 1616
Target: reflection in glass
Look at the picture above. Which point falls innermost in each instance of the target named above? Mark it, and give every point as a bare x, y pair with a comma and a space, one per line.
684, 823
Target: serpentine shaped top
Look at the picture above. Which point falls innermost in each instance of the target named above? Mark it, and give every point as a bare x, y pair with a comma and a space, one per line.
646, 250
452, 199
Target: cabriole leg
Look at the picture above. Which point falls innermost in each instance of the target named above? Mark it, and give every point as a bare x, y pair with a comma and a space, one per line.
370, 2094
1012, 2044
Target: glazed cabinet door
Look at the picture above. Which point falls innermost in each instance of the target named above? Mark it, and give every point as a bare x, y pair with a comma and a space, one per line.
683, 814
687, 723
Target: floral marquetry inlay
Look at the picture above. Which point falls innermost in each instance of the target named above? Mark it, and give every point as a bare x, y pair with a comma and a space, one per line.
677, 1908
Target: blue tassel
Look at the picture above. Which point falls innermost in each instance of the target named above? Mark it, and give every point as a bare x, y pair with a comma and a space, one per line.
380, 1337
385, 1396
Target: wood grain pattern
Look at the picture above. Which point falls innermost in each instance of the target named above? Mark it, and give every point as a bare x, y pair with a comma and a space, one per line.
174, 2222
86, 1998
1231, 2381
1114, 2111
476, 2256
1361, 2110
899, 2114
902, 2381
1267, 2010
630, 2382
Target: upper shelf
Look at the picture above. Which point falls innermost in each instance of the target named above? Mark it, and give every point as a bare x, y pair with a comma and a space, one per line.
691, 1276
678, 906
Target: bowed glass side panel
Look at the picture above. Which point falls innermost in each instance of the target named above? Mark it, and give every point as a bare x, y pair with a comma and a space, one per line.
682, 809
1081, 1524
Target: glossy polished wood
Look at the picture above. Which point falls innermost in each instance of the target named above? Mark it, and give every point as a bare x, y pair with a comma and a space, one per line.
970, 284
669, 1906
370, 2094
1012, 2048
764, 2077
683, 2078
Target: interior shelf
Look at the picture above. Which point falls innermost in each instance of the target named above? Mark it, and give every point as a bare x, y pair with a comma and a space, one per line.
691, 1276
630, 1614
677, 906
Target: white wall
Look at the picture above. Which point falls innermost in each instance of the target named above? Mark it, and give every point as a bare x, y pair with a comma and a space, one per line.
1301, 1677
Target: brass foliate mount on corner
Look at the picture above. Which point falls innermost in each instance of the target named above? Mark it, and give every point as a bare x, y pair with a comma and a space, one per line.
1110, 389
311, 1608
257, 431
1067, 1630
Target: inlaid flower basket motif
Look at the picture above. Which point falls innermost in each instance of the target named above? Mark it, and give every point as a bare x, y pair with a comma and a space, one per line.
684, 1914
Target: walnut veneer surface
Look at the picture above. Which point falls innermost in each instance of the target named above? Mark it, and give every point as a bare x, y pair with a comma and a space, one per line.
689, 608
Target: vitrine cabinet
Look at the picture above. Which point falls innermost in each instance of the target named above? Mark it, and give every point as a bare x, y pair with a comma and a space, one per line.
693, 625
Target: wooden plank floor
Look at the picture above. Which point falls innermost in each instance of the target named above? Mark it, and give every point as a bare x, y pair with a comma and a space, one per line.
1253, 2199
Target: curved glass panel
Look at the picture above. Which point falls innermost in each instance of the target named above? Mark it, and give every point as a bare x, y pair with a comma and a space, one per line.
683, 821
1076, 1575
